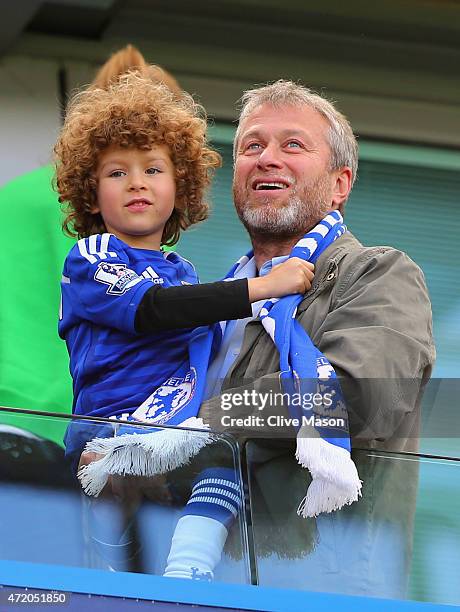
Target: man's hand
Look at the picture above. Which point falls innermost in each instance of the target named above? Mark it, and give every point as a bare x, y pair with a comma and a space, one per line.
292, 276
86, 458
131, 489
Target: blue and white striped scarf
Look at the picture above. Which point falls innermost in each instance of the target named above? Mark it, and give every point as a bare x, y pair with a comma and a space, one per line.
323, 442
325, 451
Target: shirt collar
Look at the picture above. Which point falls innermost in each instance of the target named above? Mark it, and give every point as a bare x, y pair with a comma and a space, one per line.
249, 270
268, 265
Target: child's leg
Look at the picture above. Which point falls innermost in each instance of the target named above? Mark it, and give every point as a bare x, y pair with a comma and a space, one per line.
202, 530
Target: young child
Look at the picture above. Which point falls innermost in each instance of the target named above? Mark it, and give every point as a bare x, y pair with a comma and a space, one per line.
132, 165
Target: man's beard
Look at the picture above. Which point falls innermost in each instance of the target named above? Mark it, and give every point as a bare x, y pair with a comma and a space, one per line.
305, 207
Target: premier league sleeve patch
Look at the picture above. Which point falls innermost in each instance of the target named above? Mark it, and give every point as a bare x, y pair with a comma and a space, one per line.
118, 277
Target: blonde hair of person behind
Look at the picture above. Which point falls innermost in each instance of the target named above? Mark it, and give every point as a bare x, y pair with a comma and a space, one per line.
128, 59
132, 112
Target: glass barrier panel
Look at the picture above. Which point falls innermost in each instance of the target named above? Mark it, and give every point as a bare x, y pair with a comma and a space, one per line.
400, 540
440, 427
183, 522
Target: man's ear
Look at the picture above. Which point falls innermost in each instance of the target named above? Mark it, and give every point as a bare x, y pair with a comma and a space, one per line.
341, 188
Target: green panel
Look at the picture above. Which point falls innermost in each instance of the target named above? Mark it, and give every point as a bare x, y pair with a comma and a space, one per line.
407, 154
414, 209
213, 246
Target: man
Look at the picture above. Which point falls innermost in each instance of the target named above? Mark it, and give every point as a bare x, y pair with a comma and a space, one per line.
368, 313
368, 310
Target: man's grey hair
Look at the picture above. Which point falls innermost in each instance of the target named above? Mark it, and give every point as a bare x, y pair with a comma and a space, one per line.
342, 141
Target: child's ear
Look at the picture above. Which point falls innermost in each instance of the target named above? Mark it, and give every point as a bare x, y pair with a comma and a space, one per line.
94, 209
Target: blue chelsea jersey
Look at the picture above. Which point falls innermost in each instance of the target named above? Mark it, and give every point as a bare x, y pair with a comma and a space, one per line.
114, 369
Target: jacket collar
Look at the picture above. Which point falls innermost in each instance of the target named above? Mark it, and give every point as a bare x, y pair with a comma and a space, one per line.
326, 268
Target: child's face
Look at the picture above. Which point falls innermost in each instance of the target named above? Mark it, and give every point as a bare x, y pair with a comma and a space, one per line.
136, 191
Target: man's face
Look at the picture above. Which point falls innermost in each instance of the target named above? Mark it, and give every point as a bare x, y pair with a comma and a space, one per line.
282, 182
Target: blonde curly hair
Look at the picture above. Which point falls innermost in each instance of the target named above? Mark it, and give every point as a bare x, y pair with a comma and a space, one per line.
132, 112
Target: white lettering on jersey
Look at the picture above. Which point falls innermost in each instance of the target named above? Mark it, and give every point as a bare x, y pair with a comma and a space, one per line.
150, 273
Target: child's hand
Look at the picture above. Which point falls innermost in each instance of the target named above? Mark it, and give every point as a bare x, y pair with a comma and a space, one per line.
292, 276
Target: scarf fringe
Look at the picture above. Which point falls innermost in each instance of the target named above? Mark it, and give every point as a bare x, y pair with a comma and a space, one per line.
325, 496
335, 481
142, 454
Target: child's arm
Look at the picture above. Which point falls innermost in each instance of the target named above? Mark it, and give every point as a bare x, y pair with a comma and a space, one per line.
99, 286
195, 305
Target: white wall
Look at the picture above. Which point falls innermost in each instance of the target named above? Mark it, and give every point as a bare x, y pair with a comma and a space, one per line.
29, 114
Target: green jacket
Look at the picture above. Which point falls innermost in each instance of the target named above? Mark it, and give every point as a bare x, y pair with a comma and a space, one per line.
369, 312
34, 370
